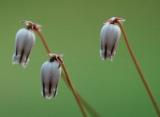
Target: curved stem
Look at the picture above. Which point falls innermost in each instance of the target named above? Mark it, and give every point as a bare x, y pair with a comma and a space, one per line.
137, 65
80, 101
43, 41
88, 107
72, 89
63, 67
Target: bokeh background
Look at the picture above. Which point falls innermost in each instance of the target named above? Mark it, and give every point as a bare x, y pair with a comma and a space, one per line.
72, 28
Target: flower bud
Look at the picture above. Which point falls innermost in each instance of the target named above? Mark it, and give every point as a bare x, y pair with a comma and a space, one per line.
109, 37
50, 75
24, 42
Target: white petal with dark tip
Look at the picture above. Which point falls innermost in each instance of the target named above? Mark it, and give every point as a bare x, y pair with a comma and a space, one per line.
50, 75
109, 35
24, 42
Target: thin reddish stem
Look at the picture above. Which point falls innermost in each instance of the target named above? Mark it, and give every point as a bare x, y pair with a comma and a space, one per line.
43, 41
79, 99
36, 28
63, 67
137, 65
73, 89
86, 105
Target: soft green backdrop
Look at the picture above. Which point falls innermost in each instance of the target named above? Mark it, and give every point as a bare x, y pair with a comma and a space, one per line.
72, 28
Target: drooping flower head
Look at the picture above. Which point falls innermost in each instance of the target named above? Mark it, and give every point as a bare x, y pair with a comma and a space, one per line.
50, 75
109, 37
24, 41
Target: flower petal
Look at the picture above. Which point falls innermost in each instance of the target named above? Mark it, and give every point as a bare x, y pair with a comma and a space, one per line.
50, 75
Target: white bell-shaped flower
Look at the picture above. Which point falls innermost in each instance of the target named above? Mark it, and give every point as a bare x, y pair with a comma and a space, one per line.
24, 42
50, 75
109, 37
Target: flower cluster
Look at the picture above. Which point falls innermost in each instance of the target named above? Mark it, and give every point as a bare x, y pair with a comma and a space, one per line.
50, 70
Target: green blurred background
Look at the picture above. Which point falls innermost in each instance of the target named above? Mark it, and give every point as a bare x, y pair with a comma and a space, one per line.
72, 28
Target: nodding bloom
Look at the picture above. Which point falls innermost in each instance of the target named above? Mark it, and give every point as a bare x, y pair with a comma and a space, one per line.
50, 75
24, 42
109, 37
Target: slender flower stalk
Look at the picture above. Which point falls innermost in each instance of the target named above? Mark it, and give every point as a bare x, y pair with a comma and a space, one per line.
140, 72
37, 29
77, 96
80, 101
43, 41
87, 106
72, 88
